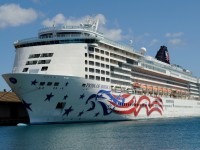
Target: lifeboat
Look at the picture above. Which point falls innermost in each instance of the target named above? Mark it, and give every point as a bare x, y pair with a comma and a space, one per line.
183, 92
155, 89
187, 93
165, 90
144, 87
136, 85
174, 92
150, 89
178, 92
169, 91
160, 90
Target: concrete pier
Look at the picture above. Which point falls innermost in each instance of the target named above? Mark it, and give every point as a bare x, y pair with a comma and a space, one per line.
12, 111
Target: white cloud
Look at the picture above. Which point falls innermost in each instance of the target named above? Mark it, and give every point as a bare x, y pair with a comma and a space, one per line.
175, 38
176, 34
113, 34
60, 19
153, 42
14, 15
176, 41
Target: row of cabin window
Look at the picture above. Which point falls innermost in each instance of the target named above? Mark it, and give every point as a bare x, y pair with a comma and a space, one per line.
45, 68
153, 68
97, 71
91, 49
112, 61
120, 76
107, 60
124, 83
120, 70
64, 34
118, 50
97, 64
118, 56
38, 62
40, 55
49, 83
97, 57
159, 80
98, 78
130, 61
73, 40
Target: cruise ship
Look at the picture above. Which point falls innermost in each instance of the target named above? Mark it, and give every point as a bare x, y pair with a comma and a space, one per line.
75, 74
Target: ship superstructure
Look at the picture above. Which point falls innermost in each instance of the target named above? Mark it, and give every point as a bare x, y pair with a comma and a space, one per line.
76, 74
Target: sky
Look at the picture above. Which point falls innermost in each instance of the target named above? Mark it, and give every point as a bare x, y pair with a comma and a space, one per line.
148, 23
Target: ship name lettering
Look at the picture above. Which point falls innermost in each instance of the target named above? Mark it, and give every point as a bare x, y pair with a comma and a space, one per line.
91, 85
104, 87
169, 101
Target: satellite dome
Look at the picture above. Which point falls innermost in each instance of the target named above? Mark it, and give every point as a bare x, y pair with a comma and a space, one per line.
143, 50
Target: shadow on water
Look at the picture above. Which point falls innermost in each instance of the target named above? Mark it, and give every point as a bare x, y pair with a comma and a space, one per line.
143, 134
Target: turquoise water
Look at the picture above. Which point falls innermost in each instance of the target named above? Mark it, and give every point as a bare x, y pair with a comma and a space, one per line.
169, 134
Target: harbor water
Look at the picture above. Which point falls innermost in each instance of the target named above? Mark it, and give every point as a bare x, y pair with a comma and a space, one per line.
166, 134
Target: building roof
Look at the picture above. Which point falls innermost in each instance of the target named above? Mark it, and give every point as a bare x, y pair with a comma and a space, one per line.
8, 97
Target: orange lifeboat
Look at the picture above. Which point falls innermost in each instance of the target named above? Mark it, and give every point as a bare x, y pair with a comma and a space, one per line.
155, 89
150, 89
169, 91
165, 90
178, 92
160, 90
136, 85
174, 92
144, 88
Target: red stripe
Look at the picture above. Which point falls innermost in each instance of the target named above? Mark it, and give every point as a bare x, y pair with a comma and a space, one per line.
125, 105
136, 112
134, 109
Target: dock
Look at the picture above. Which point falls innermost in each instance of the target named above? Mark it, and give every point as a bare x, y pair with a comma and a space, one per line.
12, 110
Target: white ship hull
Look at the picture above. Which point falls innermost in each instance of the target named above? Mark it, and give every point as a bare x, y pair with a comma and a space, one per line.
63, 99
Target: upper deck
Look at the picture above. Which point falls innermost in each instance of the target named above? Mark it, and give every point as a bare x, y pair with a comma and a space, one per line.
88, 33
168, 69
70, 34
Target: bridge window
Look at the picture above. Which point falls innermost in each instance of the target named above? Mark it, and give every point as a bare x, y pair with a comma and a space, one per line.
56, 84
34, 56
46, 55
91, 77
25, 70
44, 68
97, 78
44, 61
91, 70
49, 83
102, 78
31, 62
91, 63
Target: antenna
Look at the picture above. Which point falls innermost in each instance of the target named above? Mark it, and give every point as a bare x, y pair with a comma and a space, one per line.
96, 24
54, 23
131, 42
91, 23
